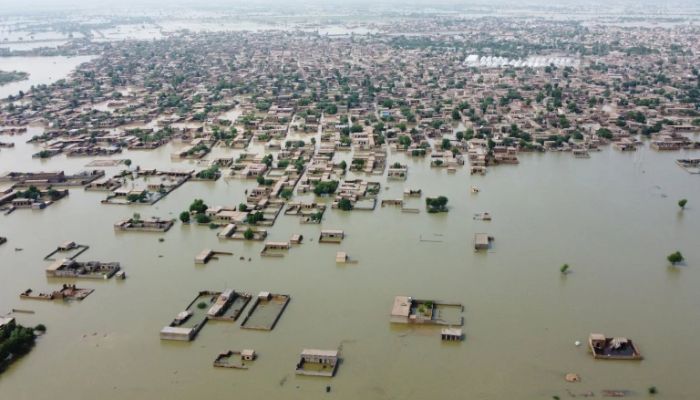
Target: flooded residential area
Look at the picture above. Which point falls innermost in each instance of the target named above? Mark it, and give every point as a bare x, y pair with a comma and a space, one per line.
323, 200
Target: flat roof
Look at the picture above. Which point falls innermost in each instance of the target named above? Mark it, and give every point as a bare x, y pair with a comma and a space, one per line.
176, 330
481, 238
56, 265
402, 306
316, 352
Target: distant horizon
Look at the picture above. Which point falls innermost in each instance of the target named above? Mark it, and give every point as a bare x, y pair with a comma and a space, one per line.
13, 7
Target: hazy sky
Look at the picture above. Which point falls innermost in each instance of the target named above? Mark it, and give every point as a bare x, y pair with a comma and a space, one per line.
13, 6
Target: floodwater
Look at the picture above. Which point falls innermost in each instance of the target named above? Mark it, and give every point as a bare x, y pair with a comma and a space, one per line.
42, 70
613, 218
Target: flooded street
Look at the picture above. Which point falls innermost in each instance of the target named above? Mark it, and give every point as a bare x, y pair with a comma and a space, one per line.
191, 83
612, 218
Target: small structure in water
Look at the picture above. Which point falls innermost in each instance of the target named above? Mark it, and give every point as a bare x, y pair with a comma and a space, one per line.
407, 310
68, 247
691, 165
296, 238
67, 268
275, 249
612, 348
474, 189
412, 193
451, 334
484, 216
482, 241
3, 240
315, 362
331, 236
228, 305
67, 292
235, 359
266, 311
188, 323
207, 255
151, 225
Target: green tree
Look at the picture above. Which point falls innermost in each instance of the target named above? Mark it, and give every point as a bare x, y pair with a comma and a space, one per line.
405, 140
446, 144
682, 203
436, 204
345, 204
198, 206
286, 193
248, 234
325, 187
185, 217
203, 219
675, 258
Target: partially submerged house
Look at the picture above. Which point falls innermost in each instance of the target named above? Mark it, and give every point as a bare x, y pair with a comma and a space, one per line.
331, 236
68, 268
612, 348
407, 310
313, 362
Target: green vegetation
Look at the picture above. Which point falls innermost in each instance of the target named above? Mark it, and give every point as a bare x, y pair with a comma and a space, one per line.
652, 390
210, 173
564, 269
264, 182
682, 203
12, 76
31, 193
248, 234
202, 219
675, 258
604, 133
185, 217
316, 217
267, 160
137, 197
16, 342
446, 144
198, 206
199, 149
286, 193
436, 204
254, 217
325, 187
345, 204
201, 305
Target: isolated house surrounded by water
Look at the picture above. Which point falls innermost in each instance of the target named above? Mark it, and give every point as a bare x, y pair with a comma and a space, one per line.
318, 362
